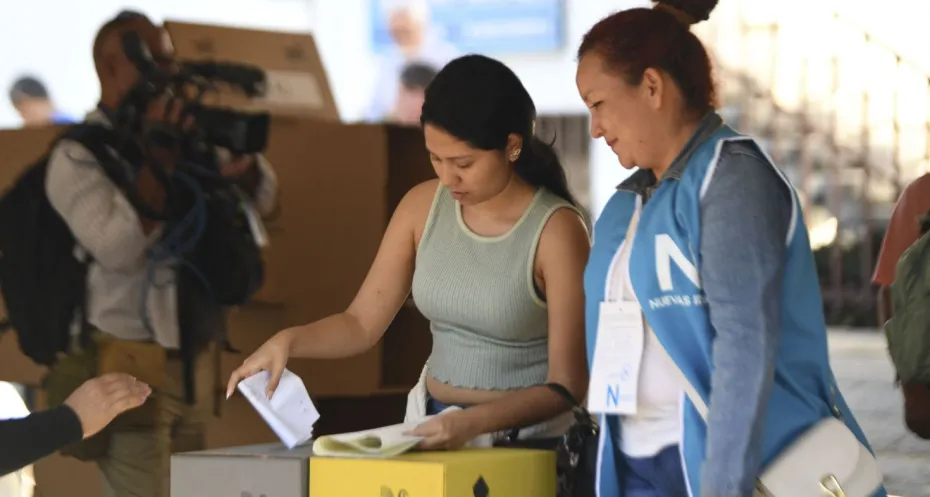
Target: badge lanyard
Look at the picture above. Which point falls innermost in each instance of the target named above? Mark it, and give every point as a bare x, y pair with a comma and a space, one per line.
618, 350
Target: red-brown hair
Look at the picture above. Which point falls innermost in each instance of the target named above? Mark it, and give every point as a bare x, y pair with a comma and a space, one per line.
634, 40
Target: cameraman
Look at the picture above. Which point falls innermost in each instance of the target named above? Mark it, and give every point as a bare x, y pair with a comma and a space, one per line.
122, 303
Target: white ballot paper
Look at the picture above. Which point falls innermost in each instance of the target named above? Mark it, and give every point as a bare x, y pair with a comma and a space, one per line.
289, 412
384, 442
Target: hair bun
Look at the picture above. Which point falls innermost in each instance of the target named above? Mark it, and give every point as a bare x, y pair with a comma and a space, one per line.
688, 12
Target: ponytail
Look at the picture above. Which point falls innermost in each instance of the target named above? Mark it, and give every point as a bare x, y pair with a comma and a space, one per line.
539, 165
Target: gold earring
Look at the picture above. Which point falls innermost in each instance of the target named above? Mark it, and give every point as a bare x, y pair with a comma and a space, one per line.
515, 155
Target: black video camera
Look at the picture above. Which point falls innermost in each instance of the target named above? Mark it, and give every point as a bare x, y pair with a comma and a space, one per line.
240, 132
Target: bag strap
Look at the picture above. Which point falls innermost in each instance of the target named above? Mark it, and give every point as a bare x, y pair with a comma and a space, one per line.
563, 392
98, 140
581, 413
696, 399
690, 391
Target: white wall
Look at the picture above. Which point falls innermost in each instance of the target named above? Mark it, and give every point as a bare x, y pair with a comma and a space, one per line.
53, 38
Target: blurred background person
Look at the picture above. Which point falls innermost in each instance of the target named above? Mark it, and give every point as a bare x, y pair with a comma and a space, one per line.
31, 99
408, 23
414, 79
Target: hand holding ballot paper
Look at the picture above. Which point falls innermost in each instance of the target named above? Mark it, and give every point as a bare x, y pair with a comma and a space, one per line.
288, 411
291, 414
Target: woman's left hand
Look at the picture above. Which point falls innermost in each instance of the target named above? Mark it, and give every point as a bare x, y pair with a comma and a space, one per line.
446, 431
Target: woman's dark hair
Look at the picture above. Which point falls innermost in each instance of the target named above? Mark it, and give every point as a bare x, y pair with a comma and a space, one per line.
634, 40
481, 101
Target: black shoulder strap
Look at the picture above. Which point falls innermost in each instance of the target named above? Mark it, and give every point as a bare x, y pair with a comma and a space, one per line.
564, 393
104, 144
582, 416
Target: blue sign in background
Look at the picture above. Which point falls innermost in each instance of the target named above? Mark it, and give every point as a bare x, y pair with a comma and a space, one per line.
487, 26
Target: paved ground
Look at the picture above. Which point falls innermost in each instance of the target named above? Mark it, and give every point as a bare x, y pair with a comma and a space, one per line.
866, 377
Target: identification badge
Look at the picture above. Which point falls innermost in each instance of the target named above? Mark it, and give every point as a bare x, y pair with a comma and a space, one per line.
614, 383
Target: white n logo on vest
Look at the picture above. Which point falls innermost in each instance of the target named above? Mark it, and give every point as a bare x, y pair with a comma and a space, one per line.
667, 252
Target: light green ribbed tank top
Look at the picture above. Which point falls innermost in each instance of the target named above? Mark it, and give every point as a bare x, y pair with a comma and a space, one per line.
489, 325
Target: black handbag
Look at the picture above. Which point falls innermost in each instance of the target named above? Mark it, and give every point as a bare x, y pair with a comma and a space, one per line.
576, 453
576, 449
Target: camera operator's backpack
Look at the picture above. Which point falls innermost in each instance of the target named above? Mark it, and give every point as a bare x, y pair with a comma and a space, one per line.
43, 282
41, 278
908, 330
225, 257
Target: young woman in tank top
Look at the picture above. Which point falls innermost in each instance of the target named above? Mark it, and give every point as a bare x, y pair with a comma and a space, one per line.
494, 252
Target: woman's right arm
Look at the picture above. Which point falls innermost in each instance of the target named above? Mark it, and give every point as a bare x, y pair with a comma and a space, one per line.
364, 322
381, 295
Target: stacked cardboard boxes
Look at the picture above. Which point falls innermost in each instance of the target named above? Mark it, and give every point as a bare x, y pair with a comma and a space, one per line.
339, 185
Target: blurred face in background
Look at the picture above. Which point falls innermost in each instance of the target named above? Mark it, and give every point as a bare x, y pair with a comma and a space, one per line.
410, 104
34, 111
406, 27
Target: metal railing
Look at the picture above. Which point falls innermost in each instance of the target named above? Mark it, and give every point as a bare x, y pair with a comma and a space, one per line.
847, 168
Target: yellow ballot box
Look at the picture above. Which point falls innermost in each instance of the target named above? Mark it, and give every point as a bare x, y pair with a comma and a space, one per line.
462, 473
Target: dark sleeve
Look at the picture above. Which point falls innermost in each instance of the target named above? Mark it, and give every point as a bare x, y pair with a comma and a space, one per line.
26, 440
745, 218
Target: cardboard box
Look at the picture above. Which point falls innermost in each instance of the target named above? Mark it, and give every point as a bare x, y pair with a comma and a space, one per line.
251, 471
464, 473
339, 185
333, 204
297, 92
408, 163
296, 82
406, 346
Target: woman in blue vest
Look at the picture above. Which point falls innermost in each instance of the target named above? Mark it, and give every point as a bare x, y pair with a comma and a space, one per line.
701, 289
